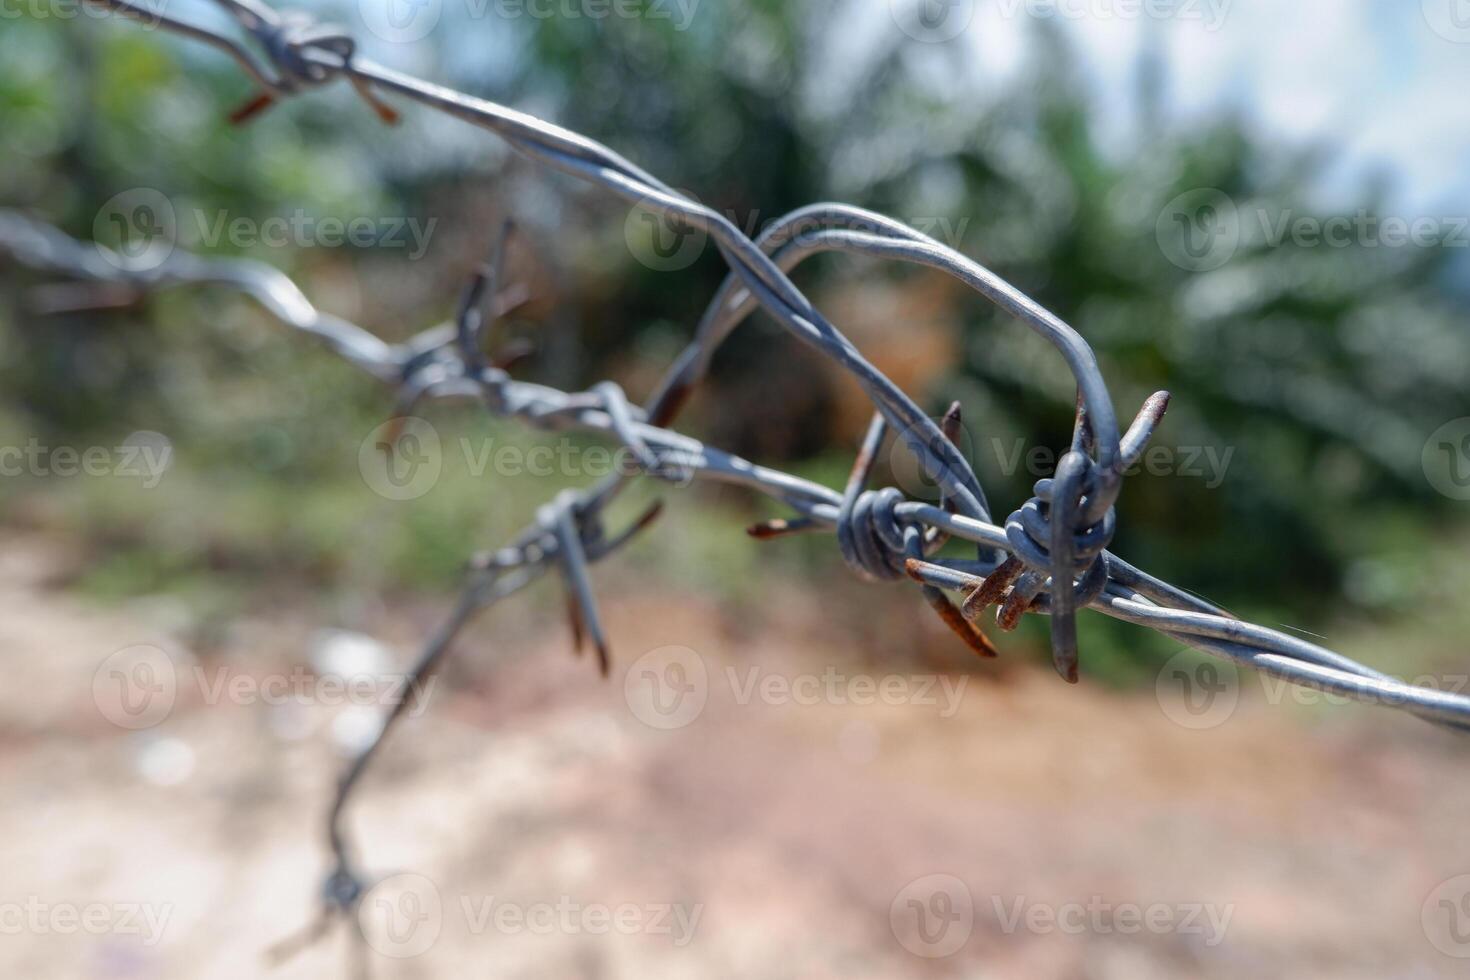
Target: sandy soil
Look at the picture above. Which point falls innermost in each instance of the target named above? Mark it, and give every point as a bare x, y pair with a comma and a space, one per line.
533, 821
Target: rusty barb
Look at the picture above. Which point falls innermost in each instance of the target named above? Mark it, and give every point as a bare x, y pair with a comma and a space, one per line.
1049, 557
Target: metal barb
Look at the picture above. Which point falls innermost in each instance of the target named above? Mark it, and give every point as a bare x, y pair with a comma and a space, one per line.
559, 518
993, 589
780, 527
972, 635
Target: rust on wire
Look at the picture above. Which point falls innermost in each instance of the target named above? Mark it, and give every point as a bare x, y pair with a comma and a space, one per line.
993, 589
780, 527
1017, 602
251, 108
971, 634
574, 620
967, 631
951, 426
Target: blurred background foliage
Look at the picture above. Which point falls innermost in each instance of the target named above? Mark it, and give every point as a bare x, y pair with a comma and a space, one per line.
1316, 373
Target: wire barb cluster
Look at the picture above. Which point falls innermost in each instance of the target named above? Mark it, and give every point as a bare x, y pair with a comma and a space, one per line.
1050, 557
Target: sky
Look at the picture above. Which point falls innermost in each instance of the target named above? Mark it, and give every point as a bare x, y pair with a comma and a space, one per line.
1387, 80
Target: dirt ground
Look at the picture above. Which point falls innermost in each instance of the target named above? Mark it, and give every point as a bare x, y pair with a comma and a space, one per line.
740, 799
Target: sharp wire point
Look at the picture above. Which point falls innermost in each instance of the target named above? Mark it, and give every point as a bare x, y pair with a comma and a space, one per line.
993, 589
251, 108
574, 619
780, 527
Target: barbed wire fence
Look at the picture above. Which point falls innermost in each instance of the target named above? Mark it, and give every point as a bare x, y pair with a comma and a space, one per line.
1048, 557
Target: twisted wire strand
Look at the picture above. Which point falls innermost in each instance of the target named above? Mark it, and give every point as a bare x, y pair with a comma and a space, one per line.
303, 55
1049, 557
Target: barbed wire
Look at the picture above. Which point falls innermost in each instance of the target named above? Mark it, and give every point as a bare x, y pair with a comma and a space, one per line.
1049, 557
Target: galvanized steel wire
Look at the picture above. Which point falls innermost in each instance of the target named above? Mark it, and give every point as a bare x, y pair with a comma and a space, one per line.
1049, 556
